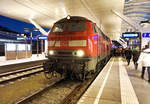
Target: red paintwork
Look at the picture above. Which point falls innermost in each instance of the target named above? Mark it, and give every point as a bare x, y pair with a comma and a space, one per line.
92, 44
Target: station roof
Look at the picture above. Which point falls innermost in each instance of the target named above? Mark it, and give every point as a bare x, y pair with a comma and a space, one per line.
138, 8
47, 12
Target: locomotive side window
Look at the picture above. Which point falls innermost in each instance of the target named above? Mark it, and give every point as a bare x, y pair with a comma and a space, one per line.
76, 26
59, 27
94, 28
99, 32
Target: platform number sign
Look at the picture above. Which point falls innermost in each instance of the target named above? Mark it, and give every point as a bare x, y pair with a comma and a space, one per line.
146, 35
134, 38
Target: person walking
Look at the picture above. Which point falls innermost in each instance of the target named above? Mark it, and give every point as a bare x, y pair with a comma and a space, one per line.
128, 55
135, 54
144, 60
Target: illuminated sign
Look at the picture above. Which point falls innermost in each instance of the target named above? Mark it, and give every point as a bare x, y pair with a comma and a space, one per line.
130, 35
20, 38
42, 37
28, 38
146, 35
33, 38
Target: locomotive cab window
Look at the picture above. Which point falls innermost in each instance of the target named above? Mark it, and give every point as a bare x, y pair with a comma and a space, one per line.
76, 26
59, 27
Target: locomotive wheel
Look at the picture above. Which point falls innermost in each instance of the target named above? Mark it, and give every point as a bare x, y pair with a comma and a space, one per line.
55, 74
72, 76
48, 69
51, 74
84, 72
48, 75
81, 76
98, 66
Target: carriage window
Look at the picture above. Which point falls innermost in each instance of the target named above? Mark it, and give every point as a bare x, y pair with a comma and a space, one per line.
59, 27
76, 26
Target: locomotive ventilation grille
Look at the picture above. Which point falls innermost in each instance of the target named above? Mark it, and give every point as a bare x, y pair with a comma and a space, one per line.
64, 53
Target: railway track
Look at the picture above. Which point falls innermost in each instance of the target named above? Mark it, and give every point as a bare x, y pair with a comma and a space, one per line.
10, 76
60, 92
75, 95
51, 94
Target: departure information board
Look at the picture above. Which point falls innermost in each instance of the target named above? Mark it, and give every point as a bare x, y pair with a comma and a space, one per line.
130, 35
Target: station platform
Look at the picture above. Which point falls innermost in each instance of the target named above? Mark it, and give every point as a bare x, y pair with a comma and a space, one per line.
118, 83
4, 62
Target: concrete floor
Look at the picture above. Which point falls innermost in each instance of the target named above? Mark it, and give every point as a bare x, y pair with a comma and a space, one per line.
118, 84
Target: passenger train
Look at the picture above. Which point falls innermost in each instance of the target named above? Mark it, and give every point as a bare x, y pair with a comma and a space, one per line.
76, 48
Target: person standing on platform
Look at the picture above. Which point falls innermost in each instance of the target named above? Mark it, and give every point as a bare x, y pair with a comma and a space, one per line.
144, 60
128, 55
135, 54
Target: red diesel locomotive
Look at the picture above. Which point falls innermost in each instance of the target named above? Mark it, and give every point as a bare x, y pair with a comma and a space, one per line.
76, 47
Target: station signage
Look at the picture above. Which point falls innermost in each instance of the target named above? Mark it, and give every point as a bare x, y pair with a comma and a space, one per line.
20, 38
131, 35
33, 38
42, 37
146, 35
28, 38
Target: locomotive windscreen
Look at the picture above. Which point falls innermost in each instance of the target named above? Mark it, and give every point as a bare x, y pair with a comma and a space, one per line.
59, 27
74, 26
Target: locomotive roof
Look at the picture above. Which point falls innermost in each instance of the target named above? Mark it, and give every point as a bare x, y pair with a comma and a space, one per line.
73, 18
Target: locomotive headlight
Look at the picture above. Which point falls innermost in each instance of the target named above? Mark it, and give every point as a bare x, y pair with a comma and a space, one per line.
51, 52
80, 53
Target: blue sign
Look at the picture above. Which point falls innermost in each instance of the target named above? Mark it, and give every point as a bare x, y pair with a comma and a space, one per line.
42, 37
146, 35
34, 38
130, 35
28, 38
20, 38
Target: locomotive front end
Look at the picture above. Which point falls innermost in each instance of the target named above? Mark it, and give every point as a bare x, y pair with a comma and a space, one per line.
68, 48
